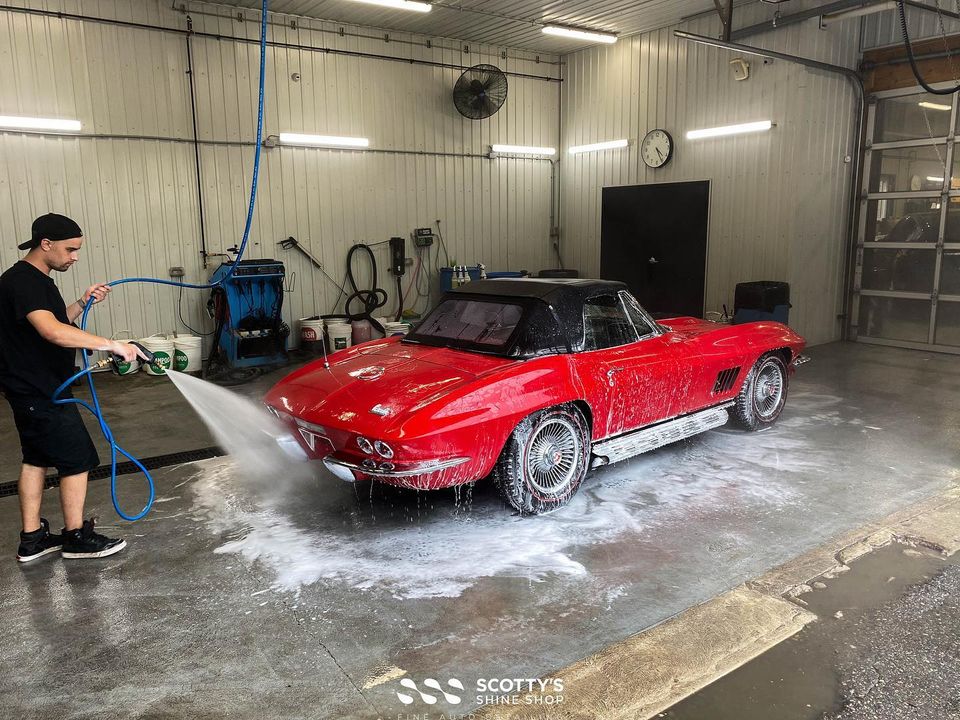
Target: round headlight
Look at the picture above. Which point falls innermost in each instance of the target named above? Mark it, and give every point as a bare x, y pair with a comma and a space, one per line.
383, 449
386, 466
365, 445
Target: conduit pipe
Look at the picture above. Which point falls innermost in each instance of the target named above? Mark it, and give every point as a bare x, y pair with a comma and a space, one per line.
832, 8
251, 41
854, 78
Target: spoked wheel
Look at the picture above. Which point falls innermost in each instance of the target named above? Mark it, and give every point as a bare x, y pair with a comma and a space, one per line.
544, 461
763, 395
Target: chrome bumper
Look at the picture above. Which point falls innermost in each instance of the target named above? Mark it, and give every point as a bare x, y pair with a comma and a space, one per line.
344, 469
800, 360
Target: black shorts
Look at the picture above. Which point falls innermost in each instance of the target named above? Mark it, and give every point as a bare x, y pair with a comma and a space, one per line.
53, 435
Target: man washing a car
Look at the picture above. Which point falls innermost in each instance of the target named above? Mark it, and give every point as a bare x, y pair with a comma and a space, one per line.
37, 348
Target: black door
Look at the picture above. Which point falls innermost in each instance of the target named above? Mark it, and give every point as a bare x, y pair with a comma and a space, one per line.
654, 238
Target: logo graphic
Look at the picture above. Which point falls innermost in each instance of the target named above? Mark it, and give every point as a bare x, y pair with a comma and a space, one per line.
180, 360
426, 697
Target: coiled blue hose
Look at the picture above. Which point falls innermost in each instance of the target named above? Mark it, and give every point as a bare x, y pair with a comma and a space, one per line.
95, 408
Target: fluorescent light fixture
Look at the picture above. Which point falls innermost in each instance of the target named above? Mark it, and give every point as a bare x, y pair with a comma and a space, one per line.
522, 150
421, 7
934, 106
931, 178
609, 145
32, 123
580, 34
323, 140
750, 127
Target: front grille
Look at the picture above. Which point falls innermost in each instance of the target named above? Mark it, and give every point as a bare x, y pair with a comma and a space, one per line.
725, 380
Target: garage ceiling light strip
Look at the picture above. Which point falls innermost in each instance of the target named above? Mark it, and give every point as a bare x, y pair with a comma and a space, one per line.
576, 34
934, 106
420, 7
323, 141
33, 123
595, 147
750, 127
522, 150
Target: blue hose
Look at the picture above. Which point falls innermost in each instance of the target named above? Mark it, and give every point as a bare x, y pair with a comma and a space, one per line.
95, 408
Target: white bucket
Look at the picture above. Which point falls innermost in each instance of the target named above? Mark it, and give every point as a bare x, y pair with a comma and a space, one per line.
339, 335
126, 368
376, 334
311, 334
187, 354
396, 328
162, 350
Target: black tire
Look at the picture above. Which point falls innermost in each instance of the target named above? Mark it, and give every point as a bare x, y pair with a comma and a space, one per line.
544, 461
763, 394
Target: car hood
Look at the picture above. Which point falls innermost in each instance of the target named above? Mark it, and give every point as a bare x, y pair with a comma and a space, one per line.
378, 384
689, 327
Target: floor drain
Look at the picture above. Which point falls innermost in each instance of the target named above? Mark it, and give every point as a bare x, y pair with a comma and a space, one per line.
151, 463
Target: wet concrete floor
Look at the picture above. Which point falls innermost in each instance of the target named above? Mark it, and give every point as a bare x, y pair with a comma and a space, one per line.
885, 646
305, 597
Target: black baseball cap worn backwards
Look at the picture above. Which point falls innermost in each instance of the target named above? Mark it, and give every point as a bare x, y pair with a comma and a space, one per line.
52, 227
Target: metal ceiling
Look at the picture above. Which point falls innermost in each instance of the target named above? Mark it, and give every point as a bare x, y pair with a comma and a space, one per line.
504, 23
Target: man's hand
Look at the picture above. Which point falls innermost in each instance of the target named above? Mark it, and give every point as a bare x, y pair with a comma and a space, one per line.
127, 351
98, 292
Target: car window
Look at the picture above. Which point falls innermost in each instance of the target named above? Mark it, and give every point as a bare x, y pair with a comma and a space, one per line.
472, 322
540, 334
606, 324
640, 321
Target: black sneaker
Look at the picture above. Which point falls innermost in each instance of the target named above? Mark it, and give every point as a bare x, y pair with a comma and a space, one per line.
85, 543
38, 543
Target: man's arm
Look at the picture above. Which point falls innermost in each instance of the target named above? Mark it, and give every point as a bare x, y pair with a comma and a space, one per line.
99, 294
58, 333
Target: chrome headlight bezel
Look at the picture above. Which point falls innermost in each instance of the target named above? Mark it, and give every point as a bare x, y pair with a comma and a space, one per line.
383, 450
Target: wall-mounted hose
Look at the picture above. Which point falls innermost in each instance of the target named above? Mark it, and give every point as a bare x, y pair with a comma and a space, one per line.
95, 408
372, 299
913, 61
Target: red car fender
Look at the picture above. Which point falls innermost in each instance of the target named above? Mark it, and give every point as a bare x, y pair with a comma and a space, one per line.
478, 419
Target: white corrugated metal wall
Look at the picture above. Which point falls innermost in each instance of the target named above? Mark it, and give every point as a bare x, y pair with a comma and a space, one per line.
779, 199
884, 29
136, 198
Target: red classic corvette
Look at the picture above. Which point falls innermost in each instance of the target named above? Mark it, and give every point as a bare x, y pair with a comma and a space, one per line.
532, 382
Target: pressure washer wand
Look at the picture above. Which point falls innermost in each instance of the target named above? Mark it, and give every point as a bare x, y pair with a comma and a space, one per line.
115, 360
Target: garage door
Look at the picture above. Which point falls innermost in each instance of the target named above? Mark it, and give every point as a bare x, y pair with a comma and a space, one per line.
907, 274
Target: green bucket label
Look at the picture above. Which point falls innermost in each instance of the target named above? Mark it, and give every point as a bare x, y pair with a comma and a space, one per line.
339, 343
161, 362
180, 360
123, 367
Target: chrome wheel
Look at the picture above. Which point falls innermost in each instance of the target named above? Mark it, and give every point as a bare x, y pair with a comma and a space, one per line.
768, 390
552, 458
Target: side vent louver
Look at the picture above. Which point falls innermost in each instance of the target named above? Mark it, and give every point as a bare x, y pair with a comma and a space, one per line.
725, 380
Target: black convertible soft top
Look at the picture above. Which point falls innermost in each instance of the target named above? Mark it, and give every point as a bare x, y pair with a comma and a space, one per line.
565, 296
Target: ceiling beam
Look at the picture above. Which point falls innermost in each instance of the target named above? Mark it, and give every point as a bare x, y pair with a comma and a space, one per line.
725, 11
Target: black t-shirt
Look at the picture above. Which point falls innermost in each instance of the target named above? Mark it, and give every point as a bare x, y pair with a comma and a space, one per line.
29, 365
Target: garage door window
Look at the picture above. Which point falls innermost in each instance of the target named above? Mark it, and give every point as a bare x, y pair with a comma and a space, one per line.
907, 274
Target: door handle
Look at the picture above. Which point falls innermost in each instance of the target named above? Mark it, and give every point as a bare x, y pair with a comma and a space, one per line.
653, 260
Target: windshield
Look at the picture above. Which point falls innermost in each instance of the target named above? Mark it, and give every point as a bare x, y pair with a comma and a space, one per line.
485, 325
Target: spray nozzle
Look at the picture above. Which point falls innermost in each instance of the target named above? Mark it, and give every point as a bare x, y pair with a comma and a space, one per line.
115, 360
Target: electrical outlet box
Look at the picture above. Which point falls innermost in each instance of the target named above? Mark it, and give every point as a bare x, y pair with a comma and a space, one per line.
176, 272
423, 237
